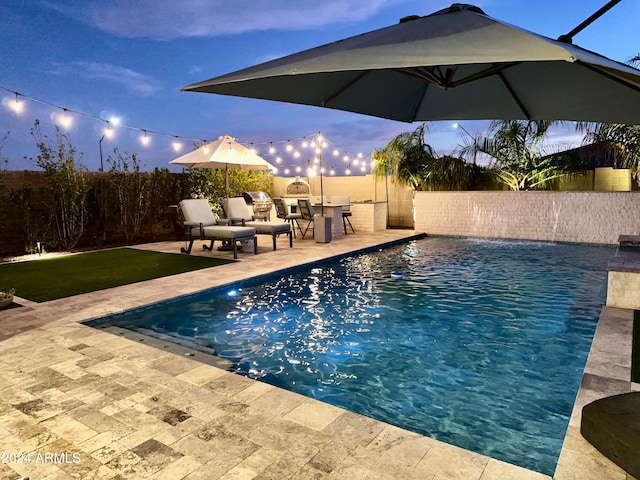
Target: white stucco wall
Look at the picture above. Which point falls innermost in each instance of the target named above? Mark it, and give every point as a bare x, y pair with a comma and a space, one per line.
588, 217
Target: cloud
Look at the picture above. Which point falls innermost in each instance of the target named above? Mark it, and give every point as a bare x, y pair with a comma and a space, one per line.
135, 82
169, 19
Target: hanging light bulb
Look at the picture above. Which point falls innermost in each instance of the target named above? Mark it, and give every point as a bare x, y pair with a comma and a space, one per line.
289, 147
205, 147
65, 119
298, 169
16, 105
108, 132
304, 144
336, 152
177, 146
296, 154
272, 149
286, 171
345, 158
348, 171
144, 139
278, 160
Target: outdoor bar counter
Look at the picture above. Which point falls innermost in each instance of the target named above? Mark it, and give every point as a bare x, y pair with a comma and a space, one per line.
368, 216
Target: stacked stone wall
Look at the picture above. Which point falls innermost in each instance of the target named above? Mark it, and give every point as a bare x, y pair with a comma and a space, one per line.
584, 217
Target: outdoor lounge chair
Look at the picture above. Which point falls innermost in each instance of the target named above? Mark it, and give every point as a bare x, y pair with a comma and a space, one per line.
238, 213
200, 224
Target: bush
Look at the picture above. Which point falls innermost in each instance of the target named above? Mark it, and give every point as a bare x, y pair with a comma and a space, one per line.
67, 184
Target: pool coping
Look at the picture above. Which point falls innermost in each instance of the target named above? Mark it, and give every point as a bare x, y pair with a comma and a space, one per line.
391, 448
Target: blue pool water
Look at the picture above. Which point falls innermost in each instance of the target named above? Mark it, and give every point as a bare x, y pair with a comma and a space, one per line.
477, 343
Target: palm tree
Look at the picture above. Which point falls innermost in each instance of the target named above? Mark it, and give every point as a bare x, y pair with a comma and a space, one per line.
517, 150
412, 162
622, 140
403, 158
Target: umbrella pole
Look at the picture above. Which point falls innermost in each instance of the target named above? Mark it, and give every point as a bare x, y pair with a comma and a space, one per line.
568, 38
226, 179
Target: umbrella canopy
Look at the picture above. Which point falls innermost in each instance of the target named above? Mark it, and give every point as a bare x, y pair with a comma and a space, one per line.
225, 153
455, 64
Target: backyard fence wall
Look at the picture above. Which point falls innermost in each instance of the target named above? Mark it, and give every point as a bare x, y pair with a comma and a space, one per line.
586, 217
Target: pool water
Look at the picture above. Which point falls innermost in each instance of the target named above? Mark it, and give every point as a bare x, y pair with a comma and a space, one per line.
477, 343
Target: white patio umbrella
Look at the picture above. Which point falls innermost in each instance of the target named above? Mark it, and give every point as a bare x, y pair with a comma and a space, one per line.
454, 64
224, 153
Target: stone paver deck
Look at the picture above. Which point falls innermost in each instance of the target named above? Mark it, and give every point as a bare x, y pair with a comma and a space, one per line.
76, 402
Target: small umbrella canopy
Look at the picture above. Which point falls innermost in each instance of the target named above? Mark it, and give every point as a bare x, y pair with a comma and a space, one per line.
225, 153
455, 64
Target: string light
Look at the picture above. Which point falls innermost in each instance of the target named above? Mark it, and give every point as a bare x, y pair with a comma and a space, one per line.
66, 118
205, 147
108, 133
16, 105
145, 139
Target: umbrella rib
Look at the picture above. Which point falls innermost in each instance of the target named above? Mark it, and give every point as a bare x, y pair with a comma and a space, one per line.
514, 96
487, 72
343, 88
423, 73
446, 82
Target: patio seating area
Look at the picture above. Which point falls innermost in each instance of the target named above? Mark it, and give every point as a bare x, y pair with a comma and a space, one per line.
123, 407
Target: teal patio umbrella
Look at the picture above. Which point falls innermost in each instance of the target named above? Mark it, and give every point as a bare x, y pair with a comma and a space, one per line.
455, 64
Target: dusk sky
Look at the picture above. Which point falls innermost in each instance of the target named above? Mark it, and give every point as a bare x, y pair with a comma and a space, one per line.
128, 59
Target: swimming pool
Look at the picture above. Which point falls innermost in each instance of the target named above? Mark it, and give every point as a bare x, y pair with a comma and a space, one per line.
477, 343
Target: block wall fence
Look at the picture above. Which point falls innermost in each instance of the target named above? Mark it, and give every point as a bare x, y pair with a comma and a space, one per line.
585, 217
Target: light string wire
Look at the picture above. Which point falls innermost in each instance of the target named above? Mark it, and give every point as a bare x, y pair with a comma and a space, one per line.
272, 150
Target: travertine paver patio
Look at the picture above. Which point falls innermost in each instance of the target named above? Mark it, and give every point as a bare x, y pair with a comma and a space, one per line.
83, 403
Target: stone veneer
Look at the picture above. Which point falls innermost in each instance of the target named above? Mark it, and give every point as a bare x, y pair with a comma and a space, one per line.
585, 217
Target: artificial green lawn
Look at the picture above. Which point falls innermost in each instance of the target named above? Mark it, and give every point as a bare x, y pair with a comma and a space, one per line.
57, 277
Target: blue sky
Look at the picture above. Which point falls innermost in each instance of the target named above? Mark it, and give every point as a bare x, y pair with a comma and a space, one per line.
129, 58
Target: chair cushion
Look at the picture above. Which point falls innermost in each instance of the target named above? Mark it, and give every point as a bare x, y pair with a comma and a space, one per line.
236, 209
225, 233
197, 211
269, 227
